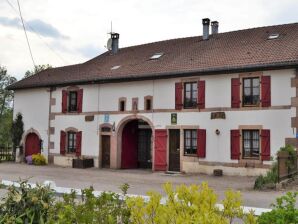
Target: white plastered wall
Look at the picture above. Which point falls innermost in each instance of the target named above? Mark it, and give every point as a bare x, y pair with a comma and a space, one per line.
34, 106
105, 97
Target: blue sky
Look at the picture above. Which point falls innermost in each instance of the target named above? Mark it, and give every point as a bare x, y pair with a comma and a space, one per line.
63, 32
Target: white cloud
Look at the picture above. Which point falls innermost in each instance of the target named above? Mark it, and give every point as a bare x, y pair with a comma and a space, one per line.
87, 23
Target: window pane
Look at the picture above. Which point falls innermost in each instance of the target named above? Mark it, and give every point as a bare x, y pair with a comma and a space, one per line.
256, 82
194, 134
247, 91
256, 91
187, 87
187, 133
247, 83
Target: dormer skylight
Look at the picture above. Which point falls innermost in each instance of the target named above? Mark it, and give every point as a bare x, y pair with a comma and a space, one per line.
115, 67
273, 36
156, 56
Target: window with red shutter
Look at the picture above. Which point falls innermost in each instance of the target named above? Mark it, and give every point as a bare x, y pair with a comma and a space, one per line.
178, 95
62, 142
266, 91
78, 143
265, 144
235, 144
201, 94
160, 150
64, 101
235, 93
201, 143
80, 101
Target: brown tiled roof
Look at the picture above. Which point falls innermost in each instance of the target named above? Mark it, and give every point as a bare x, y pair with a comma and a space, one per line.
235, 51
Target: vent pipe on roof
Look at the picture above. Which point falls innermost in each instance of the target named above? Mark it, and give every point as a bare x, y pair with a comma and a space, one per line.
115, 42
214, 27
206, 23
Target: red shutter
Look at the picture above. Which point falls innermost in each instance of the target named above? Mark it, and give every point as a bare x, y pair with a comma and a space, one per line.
78, 143
235, 93
201, 143
201, 94
178, 95
62, 142
265, 144
235, 144
64, 101
266, 91
160, 149
80, 100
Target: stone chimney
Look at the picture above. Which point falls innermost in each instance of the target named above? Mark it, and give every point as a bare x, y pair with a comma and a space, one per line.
115, 42
206, 24
214, 27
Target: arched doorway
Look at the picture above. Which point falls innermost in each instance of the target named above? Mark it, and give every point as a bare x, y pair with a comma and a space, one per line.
136, 146
32, 144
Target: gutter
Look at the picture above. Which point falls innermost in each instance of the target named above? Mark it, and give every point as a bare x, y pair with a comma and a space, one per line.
167, 75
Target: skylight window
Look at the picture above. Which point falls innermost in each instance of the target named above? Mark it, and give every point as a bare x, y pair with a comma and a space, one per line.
156, 56
115, 67
273, 36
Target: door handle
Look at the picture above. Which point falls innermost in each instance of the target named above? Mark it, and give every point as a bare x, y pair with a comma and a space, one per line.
178, 149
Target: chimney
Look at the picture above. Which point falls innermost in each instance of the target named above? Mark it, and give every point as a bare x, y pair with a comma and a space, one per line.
206, 23
214, 27
115, 42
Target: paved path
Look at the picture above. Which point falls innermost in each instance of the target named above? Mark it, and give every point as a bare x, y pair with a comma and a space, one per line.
140, 181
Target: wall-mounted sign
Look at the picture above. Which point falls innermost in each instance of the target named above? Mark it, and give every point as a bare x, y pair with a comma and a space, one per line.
106, 118
174, 118
218, 115
296, 135
89, 118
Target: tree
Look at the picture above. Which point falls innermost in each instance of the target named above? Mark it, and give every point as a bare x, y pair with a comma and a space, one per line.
5, 128
6, 96
17, 130
37, 69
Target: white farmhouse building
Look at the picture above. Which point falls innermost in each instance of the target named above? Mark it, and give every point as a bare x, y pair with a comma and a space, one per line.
221, 100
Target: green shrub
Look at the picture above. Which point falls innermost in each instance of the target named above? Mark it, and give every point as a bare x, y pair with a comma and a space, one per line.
26, 204
283, 211
108, 208
292, 155
38, 159
268, 180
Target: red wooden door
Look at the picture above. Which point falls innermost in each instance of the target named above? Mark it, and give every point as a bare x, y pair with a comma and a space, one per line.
32, 145
129, 155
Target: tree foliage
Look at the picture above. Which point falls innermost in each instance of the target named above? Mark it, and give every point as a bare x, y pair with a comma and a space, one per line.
17, 130
6, 96
37, 69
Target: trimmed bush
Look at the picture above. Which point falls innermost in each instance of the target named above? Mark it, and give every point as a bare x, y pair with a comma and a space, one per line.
38, 160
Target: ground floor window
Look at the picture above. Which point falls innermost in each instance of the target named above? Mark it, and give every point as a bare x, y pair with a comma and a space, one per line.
251, 143
71, 142
190, 142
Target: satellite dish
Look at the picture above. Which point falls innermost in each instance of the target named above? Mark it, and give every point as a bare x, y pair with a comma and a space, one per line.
109, 44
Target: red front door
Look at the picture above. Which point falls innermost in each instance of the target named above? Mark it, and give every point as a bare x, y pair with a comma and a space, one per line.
129, 155
32, 145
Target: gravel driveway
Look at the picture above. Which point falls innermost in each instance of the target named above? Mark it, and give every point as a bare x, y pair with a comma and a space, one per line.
140, 181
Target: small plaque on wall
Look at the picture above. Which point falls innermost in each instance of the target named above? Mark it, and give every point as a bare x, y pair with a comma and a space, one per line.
218, 115
174, 118
89, 118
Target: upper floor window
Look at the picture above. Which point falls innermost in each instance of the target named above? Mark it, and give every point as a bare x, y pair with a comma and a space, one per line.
148, 103
251, 91
190, 142
122, 105
190, 94
72, 101
251, 143
71, 142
